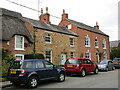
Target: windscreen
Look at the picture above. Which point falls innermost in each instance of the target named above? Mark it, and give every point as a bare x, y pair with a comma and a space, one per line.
73, 61
103, 62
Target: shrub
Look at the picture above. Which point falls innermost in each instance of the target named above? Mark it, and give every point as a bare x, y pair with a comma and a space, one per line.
34, 56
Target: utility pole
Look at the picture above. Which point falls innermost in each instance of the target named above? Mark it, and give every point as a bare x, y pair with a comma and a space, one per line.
38, 9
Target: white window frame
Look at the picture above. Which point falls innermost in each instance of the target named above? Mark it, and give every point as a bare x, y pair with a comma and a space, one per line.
16, 48
50, 55
89, 56
47, 35
87, 41
72, 54
69, 26
104, 44
20, 55
96, 43
72, 42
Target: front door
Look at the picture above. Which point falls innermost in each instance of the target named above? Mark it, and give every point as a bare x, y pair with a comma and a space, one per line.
63, 58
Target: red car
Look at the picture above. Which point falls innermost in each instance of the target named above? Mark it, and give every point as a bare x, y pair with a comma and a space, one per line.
80, 66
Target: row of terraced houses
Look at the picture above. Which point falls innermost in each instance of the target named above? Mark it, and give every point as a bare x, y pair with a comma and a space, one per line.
69, 39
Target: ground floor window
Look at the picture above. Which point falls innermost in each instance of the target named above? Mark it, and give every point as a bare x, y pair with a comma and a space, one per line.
88, 55
72, 55
19, 56
49, 55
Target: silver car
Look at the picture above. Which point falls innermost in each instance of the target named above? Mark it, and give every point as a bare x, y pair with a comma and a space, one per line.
106, 65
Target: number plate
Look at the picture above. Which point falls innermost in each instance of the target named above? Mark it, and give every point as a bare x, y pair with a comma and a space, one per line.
69, 66
13, 72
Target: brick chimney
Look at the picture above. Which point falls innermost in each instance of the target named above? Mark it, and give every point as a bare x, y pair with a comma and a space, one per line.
64, 15
45, 17
96, 26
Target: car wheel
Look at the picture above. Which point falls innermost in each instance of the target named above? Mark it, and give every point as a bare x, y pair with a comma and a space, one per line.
113, 68
16, 84
83, 73
61, 77
32, 82
96, 71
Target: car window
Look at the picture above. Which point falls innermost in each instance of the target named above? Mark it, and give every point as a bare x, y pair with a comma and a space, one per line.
110, 62
48, 64
74, 61
87, 62
27, 64
39, 64
16, 65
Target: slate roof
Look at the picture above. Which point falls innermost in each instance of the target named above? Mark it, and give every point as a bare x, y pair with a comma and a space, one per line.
86, 27
50, 27
114, 44
13, 24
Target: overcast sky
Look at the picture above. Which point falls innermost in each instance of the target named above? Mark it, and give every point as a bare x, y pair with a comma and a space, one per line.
105, 12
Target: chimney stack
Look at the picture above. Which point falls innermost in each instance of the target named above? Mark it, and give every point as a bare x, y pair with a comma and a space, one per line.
45, 17
64, 15
96, 26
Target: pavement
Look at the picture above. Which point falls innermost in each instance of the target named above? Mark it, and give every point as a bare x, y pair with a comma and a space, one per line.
5, 84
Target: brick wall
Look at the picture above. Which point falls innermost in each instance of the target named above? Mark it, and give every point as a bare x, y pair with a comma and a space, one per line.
81, 40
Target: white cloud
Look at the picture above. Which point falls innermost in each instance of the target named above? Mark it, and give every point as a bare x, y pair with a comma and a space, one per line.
85, 11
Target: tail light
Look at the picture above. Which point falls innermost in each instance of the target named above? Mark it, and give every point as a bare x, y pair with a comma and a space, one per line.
23, 72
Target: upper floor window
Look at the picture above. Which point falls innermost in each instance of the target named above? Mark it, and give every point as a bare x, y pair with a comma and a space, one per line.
72, 42
87, 41
72, 55
69, 26
88, 55
48, 38
19, 42
104, 44
96, 43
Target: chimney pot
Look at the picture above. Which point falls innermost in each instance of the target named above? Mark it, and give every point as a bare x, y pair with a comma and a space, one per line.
46, 9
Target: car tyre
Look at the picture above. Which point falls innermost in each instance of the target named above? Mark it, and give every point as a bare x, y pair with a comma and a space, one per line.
32, 82
96, 71
83, 73
61, 77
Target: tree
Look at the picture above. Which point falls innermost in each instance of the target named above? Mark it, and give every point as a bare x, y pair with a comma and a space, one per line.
115, 53
6, 61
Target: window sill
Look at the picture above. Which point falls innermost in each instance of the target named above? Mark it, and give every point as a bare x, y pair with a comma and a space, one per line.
87, 46
104, 48
71, 45
19, 49
96, 47
48, 43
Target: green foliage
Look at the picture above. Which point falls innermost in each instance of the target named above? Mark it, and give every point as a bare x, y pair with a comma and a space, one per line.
34, 56
6, 60
115, 53
101, 55
81, 55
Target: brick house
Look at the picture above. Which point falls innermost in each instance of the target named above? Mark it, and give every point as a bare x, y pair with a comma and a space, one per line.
15, 36
57, 43
91, 40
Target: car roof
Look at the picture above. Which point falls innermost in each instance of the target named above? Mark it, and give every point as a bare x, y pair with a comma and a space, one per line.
79, 58
31, 60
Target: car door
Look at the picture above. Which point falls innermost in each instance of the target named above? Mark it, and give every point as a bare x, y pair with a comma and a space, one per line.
51, 71
40, 69
89, 66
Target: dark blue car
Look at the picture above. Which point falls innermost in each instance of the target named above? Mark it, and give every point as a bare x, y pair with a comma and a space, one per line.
30, 72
